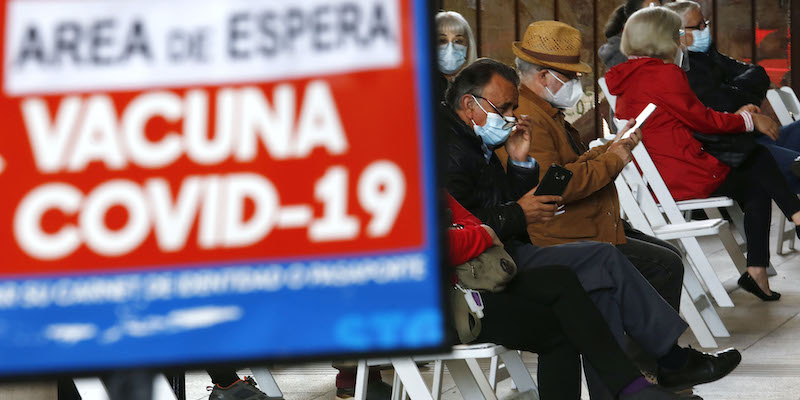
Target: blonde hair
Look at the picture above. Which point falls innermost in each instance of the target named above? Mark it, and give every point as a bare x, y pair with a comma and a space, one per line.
651, 32
453, 22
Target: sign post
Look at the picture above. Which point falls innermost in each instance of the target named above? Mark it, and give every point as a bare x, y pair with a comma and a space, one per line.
195, 182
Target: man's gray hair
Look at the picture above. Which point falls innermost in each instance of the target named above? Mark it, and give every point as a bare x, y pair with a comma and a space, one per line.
525, 68
683, 7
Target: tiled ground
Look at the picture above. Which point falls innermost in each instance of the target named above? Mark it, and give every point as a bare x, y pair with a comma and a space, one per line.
768, 334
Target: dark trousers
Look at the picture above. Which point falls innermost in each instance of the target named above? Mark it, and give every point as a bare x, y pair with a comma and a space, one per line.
754, 185
658, 261
785, 150
629, 304
546, 310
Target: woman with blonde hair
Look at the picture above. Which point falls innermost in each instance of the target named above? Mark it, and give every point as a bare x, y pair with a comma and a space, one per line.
456, 43
652, 74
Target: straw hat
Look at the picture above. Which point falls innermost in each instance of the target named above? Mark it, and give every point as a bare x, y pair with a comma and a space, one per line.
552, 44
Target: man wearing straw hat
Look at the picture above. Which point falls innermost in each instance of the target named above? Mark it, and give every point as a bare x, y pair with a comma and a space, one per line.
549, 66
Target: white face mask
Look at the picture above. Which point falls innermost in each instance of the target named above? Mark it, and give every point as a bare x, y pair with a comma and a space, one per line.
568, 96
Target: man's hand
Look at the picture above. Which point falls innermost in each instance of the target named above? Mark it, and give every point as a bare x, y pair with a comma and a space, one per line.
518, 144
751, 108
766, 126
495, 240
536, 208
622, 148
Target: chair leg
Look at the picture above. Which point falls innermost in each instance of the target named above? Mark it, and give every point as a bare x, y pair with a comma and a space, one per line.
362, 377
397, 386
266, 382
781, 235
700, 261
493, 367
693, 291
438, 372
519, 372
411, 378
91, 388
471, 386
695, 321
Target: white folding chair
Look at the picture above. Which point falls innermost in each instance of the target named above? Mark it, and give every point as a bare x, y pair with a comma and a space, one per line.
673, 214
462, 363
787, 107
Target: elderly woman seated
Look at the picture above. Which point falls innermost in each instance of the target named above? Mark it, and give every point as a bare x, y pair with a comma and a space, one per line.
653, 74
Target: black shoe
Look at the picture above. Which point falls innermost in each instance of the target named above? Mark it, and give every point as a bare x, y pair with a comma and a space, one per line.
654, 392
700, 368
747, 282
376, 390
795, 167
241, 390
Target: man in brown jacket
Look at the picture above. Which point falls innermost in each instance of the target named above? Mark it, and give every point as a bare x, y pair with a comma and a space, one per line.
549, 68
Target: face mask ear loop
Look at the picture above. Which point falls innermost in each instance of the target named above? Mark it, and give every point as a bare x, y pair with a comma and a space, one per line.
479, 105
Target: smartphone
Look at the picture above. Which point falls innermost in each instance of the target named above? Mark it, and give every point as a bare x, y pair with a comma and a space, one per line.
554, 181
643, 116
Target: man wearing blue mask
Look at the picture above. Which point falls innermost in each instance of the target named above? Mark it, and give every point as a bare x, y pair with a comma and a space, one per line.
728, 85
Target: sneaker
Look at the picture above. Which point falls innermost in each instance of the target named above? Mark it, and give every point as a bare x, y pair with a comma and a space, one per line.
239, 390
377, 390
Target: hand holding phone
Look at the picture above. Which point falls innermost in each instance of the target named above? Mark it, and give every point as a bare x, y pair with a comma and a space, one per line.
554, 182
643, 116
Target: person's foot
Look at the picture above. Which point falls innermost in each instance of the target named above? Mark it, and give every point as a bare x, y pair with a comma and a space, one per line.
795, 167
376, 390
748, 283
700, 368
240, 390
654, 392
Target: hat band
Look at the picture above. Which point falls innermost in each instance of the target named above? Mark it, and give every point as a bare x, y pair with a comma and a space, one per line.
576, 59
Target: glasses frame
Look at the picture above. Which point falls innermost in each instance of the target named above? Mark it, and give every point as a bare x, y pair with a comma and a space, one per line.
704, 24
508, 124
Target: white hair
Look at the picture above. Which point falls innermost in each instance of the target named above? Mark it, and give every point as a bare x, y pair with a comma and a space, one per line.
453, 22
525, 68
683, 7
651, 32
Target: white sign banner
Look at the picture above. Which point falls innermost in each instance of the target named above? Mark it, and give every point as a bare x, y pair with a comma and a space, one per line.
56, 46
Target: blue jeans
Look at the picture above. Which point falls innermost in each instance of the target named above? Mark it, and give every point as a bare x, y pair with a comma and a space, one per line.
785, 150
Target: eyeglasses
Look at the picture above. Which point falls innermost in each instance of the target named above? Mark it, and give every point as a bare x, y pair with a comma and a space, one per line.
508, 124
701, 26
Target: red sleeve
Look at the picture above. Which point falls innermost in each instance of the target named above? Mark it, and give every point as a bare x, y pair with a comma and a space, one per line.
469, 242
677, 97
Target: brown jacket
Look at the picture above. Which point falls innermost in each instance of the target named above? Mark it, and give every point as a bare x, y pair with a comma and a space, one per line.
591, 203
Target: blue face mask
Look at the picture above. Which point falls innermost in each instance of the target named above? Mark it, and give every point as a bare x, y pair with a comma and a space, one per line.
702, 40
493, 132
451, 57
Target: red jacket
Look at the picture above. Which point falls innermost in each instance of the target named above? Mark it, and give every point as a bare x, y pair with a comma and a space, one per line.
688, 171
468, 242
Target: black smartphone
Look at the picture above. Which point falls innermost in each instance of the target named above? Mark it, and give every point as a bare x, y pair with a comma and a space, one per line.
554, 182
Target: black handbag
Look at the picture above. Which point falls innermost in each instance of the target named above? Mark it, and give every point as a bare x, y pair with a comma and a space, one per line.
729, 149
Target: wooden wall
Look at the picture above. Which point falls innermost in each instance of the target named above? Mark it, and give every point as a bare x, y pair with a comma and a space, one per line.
743, 29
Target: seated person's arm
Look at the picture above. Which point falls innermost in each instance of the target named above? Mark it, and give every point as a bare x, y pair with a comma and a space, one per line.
507, 219
469, 241
678, 99
591, 172
750, 78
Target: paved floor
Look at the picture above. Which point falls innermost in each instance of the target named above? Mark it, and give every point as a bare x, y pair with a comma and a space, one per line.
768, 334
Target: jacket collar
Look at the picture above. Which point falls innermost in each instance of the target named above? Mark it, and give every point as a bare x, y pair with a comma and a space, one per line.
527, 95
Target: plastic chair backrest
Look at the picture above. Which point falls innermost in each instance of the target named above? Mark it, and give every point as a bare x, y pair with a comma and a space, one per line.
785, 104
612, 100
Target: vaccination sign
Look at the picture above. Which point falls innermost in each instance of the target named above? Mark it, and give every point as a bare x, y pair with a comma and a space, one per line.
189, 182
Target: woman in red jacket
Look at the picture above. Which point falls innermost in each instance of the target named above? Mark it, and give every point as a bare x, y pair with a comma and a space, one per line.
545, 310
651, 40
